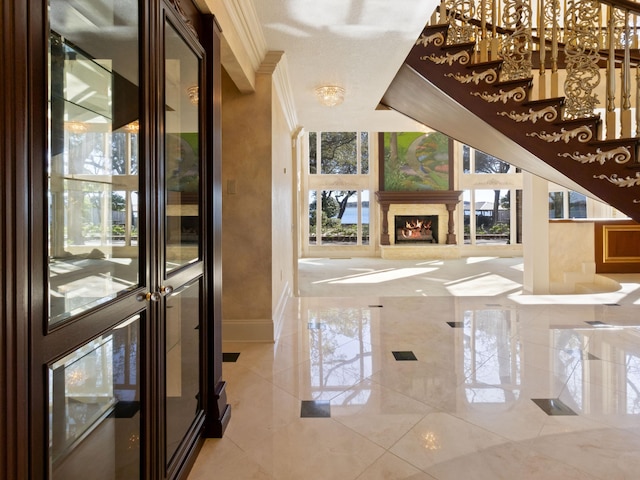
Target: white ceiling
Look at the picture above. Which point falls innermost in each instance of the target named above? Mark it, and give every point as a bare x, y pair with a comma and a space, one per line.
356, 44
359, 45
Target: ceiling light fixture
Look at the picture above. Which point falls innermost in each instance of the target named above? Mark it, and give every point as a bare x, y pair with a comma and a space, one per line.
75, 127
193, 93
133, 128
330, 95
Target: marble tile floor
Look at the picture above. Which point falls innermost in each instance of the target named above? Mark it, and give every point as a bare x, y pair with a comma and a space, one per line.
463, 377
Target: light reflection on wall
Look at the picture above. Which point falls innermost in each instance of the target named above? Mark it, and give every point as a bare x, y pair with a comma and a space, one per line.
568, 362
340, 351
633, 383
601, 368
491, 356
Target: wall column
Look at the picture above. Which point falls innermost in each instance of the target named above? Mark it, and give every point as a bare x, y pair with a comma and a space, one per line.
246, 211
535, 241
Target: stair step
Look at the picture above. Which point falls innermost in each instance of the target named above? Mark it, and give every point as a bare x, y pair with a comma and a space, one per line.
487, 64
524, 82
573, 122
616, 142
457, 47
435, 27
544, 102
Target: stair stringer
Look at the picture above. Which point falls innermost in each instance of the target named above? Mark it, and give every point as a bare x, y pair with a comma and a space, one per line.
606, 168
417, 98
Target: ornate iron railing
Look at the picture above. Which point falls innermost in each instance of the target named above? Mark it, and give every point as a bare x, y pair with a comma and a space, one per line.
583, 50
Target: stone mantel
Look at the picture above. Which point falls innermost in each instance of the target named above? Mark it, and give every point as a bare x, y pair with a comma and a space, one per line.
450, 198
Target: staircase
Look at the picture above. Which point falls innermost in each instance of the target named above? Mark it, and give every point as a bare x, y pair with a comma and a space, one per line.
581, 146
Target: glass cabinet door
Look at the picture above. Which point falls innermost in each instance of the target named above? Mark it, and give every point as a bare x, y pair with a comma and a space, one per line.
183, 266
94, 408
93, 154
182, 152
183, 363
92, 341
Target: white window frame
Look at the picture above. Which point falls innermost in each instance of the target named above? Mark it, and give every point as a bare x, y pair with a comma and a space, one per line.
358, 182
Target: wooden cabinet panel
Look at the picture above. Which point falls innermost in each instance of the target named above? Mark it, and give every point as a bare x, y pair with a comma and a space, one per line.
617, 246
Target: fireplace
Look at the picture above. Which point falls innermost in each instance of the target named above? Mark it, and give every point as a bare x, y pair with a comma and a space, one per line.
447, 198
416, 228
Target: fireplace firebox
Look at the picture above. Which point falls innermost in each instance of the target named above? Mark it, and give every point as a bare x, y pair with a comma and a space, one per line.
416, 228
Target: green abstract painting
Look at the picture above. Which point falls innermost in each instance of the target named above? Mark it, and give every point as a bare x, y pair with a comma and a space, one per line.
415, 161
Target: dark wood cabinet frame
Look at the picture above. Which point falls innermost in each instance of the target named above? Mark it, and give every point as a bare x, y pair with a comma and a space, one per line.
23, 264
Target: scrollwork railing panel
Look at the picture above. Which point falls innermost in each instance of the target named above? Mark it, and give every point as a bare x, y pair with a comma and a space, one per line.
517, 48
459, 15
582, 53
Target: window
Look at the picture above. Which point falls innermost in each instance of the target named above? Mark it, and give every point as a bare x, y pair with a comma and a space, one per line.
475, 161
577, 205
556, 205
339, 153
338, 189
344, 217
487, 216
567, 204
492, 204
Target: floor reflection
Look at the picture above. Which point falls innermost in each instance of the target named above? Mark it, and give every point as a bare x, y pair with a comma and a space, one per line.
427, 386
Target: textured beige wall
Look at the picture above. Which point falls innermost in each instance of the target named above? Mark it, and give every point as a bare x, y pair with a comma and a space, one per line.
246, 211
282, 209
572, 248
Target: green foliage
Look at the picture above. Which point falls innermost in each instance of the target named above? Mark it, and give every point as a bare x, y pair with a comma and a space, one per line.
334, 228
330, 206
313, 158
117, 229
489, 164
499, 228
183, 162
117, 202
339, 152
95, 230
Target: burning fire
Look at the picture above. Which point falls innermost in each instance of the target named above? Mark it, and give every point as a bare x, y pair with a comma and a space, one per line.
416, 228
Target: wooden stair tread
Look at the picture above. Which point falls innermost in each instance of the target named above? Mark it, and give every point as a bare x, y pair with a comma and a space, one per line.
612, 142
519, 81
487, 64
544, 101
458, 46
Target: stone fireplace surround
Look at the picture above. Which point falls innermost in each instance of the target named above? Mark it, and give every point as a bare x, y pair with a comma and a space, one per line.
433, 202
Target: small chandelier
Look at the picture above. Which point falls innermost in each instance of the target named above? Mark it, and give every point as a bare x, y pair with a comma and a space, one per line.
330, 95
133, 128
193, 93
76, 127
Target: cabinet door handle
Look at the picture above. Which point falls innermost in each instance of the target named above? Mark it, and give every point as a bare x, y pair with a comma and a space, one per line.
166, 290
148, 297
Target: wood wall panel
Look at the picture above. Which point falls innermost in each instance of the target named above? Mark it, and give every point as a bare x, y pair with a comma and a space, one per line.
14, 460
617, 245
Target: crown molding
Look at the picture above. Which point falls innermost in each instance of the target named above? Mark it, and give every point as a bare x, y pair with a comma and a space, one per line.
244, 19
275, 64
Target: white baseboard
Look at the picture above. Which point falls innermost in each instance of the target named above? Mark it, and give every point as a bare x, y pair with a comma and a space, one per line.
278, 312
